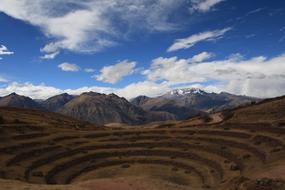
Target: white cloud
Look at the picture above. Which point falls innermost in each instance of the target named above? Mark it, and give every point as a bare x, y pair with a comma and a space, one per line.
172, 70
255, 11
258, 76
78, 91
186, 43
50, 56
89, 70
114, 73
27, 89
202, 57
204, 5
235, 57
94, 22
69, 67
147, 88
42, 91
4, 51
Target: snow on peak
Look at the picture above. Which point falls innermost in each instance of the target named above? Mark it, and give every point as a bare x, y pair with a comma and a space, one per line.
181, 92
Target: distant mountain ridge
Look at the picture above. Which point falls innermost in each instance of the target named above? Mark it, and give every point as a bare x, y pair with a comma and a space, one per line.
100, 109
55, 103
189, 102
15, 100
185, 91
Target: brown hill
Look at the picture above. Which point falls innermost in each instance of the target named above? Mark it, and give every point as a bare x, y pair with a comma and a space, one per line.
15, 100
33, 117
55, 103
100, 109
245, 151
267, 111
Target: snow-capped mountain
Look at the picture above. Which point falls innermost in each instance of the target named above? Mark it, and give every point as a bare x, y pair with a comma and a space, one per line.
185, 91
188, 102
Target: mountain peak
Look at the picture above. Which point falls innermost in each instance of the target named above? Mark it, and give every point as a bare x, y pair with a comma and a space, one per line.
65, 94
185, 91
56, 102
13, 94
113, 95
15, 100
91, 93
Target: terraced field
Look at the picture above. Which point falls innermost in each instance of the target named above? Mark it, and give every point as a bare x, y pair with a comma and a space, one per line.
243, 150
201, 157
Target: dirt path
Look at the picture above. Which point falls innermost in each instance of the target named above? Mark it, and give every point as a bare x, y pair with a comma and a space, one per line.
216, 118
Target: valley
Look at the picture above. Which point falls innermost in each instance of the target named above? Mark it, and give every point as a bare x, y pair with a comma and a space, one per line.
237, 152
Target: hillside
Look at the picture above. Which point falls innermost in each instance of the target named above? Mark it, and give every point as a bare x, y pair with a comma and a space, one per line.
100, 109
55, 103
268, 111
238, 153
33, 117
15, 100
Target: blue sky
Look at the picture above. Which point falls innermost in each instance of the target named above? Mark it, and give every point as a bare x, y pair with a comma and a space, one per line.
142, 47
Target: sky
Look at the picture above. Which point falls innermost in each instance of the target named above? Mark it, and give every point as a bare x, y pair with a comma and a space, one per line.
135, 47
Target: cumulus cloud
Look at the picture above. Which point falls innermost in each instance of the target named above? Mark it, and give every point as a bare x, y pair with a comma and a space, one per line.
202, 57
204, 5
147, 88
4, 51
94, 22
69, 67
114, 73
172, 70
27, 89
258, 76
43, 91
190, 41
99, 89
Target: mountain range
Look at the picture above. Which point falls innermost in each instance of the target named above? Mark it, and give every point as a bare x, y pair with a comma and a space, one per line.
189, 102
102, 109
